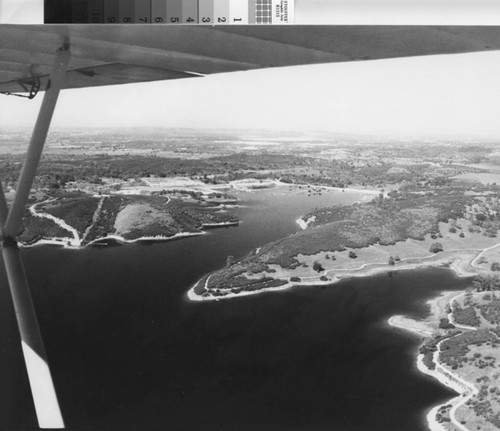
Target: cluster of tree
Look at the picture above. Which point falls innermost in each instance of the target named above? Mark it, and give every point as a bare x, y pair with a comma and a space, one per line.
454, 349
317, 266
487, 220
485, 283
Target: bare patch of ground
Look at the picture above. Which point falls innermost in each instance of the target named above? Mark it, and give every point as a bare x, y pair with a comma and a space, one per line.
137, 216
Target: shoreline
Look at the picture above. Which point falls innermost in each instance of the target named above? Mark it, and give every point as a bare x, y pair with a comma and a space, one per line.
371, 191
221, 224
158, 238
441, 259
464, 389
117, 238
410, 325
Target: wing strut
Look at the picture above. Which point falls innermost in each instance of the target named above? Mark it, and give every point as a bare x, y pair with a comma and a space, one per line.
42, 388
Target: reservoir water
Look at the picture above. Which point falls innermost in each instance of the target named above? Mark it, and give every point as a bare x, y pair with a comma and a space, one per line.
129, 351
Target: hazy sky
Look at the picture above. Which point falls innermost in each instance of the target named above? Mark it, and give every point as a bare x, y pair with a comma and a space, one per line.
446, 95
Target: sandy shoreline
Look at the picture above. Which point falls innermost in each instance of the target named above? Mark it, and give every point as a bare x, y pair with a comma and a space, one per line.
63, 242
442, 373
221, 224
402, 322
460, 265
192, 296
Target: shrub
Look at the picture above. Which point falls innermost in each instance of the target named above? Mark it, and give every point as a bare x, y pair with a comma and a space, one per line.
317, 266
481, 260
480, 217
352, 255
436, 247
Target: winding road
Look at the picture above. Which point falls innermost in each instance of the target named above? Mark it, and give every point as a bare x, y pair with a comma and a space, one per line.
473, 262
75, 241
465, 389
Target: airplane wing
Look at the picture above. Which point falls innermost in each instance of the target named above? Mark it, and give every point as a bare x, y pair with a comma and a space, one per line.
118, 54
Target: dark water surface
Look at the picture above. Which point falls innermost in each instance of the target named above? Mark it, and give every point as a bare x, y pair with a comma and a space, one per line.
128, 350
